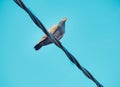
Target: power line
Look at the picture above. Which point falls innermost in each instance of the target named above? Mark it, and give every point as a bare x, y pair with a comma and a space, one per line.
57, 43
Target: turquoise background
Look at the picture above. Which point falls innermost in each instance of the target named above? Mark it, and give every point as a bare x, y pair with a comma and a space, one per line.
92, 36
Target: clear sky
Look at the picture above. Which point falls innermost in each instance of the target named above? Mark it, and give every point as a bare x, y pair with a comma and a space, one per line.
92, 36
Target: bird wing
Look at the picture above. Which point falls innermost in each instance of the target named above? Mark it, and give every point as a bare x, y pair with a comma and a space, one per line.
43, 38
52, 30
56, 31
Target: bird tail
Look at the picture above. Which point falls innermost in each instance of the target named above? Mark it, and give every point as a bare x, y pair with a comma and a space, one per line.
38, 46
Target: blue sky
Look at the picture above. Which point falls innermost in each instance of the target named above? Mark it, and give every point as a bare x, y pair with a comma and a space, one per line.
92, 36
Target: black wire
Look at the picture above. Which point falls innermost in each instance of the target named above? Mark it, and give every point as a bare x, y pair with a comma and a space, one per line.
57, 43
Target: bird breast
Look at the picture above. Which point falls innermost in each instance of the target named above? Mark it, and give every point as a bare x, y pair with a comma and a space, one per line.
58, 34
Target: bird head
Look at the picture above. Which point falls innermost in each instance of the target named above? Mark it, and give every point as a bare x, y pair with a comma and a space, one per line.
64, 19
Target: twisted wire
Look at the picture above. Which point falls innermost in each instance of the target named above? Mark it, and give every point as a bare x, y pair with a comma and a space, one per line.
57, 43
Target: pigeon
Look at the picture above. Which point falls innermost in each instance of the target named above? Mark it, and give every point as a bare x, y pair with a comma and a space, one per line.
56, 30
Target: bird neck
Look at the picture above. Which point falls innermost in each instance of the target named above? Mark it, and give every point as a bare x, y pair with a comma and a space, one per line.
62, 23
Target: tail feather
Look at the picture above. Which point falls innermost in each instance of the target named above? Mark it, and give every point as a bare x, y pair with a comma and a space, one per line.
38, 46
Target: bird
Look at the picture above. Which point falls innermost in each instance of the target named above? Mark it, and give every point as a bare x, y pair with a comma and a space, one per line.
56, 30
